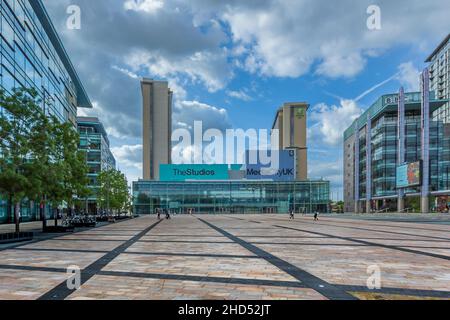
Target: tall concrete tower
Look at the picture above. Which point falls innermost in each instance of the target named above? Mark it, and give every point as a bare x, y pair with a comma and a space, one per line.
157, 126
291, 123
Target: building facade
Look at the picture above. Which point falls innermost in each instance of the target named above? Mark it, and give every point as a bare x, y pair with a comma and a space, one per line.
439, 66
389, 134
32, 55
291, 122
94, 141
157, 126
240, 197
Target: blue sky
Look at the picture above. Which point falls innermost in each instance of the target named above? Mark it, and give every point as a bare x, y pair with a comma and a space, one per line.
233, 63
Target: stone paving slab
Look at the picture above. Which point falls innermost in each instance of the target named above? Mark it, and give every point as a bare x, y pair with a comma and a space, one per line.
124, 288
198, 266
237, 257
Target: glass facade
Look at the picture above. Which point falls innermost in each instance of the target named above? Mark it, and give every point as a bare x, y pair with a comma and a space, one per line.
94, 140
32, 56
384, 141
231, 196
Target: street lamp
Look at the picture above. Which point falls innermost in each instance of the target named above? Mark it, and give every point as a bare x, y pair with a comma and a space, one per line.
87, 154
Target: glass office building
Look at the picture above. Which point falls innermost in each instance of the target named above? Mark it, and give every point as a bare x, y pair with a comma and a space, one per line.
32, 56
240, 196
94, 140
384, 152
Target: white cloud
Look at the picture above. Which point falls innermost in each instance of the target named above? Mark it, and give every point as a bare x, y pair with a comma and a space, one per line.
208, 68
285, 38
149, 6
240, 95
332, 121
409, 76
128, 155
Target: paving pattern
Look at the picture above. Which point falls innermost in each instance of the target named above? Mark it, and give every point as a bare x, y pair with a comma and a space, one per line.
236, 257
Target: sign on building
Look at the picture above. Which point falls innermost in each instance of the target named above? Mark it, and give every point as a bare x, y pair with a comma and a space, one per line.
409, 175
286, 170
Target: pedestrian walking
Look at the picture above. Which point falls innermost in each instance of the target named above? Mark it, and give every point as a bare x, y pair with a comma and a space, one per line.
291, 214
316, 216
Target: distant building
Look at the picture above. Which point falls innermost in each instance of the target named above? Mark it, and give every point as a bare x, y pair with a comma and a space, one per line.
94, 140
440, 76
157, 126
290, 120
372, 156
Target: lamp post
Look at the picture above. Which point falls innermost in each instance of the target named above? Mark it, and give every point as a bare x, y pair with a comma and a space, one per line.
87, 154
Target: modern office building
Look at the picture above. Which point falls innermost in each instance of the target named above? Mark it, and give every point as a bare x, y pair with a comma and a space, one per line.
239, 196
32, 55
157, 126
241, 188
386, 152
94, 140
291, 121
439, 66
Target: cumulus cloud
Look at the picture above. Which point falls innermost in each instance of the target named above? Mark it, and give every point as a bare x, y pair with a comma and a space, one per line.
150, 6
332, 121
129, 155
186, 112
285, 38
409, 76
170, 46
240, 95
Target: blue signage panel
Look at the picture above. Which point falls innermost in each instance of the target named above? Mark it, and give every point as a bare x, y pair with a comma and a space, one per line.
184, 172
258, 171
409, 175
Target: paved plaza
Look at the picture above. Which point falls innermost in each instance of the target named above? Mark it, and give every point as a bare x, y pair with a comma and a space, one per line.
236, 257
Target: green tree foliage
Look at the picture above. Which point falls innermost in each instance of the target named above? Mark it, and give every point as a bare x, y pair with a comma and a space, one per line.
39, 157
113, 192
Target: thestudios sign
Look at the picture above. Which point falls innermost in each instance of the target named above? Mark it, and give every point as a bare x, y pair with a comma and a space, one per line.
186, 172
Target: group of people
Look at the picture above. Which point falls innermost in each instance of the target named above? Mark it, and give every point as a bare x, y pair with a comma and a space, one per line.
163, 211
292, 215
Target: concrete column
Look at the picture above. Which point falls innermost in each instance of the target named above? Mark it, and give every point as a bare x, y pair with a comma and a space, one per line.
425, 141
400, 204
424, 204
368, 162
368, 206
401, 144
356, 165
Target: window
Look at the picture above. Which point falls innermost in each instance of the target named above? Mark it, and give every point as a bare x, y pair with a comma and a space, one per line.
8, 33
7, 80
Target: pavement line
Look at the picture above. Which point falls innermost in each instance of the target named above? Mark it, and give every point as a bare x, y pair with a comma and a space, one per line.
60, 292
270, 283
324, 288
204, 255
181, 277
368, 243
371, 230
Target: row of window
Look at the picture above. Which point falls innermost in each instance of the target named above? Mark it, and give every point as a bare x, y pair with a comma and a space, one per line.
29, 60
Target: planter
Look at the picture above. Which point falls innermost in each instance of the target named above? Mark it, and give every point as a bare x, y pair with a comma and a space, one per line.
16, 237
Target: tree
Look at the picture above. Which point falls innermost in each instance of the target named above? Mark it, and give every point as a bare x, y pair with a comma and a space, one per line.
18, 122
113, 191
39, 156
68, 167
